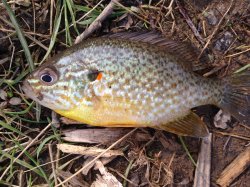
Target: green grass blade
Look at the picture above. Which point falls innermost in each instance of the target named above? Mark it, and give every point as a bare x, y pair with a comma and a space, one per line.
42, 173
7, 126
71, 8
243, 68
20, 35
21, 112
25, 164
40, 147
67, 32
187, 151
86, 9
87, 21
54, 34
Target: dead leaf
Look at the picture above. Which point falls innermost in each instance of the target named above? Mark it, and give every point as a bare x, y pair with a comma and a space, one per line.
15, 101
25, 3
3, 94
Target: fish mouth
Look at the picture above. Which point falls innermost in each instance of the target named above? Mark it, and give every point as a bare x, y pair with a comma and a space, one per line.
30, 92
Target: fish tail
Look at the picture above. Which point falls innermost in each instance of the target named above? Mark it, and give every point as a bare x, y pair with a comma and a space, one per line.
236, 96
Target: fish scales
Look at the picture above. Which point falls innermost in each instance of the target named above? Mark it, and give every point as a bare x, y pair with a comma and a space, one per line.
140, 85
135, 75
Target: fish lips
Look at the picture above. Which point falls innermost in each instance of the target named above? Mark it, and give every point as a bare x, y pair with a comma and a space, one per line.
30, 92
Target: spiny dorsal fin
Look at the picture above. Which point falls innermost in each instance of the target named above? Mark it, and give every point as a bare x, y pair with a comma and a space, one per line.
183, 52
189, 125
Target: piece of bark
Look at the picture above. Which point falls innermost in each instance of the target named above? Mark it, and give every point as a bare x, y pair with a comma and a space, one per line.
88, 168
102, 136
202, 172
235, 168
94, 135
88, 151
73, 182
104, 160
99, 156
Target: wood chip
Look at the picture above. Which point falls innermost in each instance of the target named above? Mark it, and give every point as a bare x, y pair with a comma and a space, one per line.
235, 168
107, 179
88, 151
202, 172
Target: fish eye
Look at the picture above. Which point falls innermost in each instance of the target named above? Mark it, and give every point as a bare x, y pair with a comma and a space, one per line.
47, 78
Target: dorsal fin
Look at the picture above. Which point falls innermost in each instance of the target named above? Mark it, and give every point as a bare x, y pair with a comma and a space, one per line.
183, 52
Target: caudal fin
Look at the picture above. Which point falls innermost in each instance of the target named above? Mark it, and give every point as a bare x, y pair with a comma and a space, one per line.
236, 96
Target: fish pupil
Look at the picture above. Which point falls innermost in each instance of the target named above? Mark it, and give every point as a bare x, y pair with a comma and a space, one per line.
46, 78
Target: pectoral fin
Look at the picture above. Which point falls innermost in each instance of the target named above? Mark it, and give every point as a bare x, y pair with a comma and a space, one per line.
189, 125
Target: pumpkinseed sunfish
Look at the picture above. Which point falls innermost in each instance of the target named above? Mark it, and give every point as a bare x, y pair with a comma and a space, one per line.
135, 80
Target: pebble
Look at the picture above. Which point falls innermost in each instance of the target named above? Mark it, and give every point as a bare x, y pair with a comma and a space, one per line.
223, 43
212, 17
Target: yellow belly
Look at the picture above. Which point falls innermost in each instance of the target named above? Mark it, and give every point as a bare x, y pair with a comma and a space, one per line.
102, 115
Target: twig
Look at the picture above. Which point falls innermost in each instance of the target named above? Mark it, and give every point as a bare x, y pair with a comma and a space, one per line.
202, 172
52, 163
235, 54
97, 23
190, 23
233, 135
96, 158
235, 168
216, 29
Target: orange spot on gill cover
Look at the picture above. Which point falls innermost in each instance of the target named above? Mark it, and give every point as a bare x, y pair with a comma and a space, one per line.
99, 76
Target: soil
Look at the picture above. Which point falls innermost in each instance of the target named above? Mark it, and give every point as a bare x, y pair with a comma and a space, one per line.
157, 158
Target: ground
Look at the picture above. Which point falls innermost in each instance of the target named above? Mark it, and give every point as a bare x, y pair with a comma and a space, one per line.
148, 157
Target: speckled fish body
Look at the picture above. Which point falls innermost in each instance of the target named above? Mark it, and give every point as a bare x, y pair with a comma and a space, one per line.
140, 85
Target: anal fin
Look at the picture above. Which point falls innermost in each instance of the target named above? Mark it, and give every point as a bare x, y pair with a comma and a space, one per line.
189, 125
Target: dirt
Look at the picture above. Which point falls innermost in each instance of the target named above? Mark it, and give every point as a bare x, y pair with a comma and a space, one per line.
157, 158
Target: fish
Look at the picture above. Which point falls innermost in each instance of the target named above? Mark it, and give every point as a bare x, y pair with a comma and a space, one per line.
135, 80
